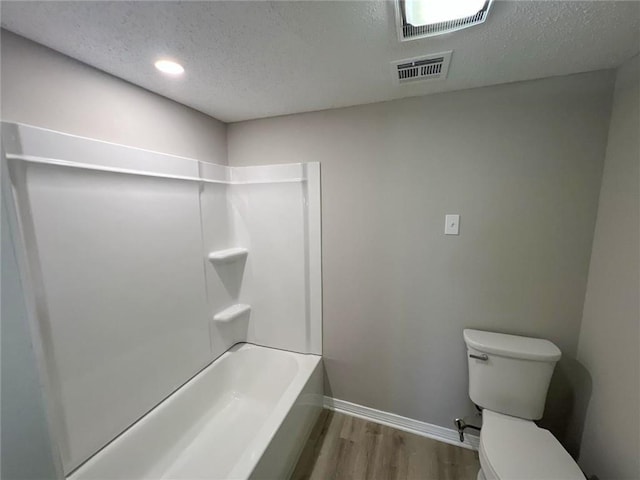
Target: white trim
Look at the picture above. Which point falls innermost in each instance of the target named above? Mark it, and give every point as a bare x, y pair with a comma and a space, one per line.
424, 429
313, 260
145, 173
24, 143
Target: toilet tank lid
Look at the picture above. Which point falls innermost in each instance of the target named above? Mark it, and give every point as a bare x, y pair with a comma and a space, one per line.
514, 346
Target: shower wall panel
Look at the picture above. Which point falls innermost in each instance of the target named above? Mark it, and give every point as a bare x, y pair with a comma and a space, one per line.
125, 302
118, 264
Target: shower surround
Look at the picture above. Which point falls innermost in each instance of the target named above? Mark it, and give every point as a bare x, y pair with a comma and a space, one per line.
163, 288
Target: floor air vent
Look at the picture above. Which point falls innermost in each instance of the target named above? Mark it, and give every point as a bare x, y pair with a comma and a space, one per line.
430, 67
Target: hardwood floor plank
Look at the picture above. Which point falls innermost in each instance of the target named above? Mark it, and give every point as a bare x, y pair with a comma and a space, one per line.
369, 446
327, 460
315, 447
342, 447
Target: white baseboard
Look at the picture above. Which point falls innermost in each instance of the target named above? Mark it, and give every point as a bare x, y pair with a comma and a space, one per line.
436, 432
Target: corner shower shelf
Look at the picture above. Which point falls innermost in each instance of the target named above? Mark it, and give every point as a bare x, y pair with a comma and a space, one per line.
231, 313
228, 255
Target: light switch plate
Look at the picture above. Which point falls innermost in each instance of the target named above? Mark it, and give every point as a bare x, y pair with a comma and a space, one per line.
451, 224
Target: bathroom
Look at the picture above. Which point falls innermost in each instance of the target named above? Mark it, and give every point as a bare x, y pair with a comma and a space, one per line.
319, 230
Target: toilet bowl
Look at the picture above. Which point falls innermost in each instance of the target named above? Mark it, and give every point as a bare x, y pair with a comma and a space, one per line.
513, 448
509, 377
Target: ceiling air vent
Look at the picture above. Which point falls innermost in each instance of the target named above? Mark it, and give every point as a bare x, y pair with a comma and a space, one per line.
426, 18
430, 67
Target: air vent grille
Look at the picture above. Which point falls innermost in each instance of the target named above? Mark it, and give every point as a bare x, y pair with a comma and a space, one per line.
409, 31
430, 67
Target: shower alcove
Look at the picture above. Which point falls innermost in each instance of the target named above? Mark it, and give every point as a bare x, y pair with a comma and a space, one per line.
174, 306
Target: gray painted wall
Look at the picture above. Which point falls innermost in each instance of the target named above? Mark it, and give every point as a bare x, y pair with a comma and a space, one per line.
44, 88
610, 334
521, 164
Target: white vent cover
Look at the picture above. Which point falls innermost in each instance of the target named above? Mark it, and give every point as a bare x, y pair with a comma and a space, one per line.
429, 67
406, 31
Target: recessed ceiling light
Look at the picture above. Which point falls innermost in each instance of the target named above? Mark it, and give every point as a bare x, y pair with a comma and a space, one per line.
169, 67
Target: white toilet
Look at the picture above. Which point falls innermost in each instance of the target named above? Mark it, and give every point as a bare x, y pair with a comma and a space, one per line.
508, 378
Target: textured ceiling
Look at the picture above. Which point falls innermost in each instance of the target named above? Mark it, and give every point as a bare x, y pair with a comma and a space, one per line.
257, 59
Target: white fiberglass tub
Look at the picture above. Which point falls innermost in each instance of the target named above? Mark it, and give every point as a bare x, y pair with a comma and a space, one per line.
247, 415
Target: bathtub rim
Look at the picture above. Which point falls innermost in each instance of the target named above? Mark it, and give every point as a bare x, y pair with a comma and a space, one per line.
249, 458
248, 461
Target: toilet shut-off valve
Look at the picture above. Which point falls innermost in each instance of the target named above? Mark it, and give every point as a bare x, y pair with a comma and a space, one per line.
461, 425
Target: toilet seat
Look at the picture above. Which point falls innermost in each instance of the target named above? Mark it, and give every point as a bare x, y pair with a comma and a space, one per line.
512, 448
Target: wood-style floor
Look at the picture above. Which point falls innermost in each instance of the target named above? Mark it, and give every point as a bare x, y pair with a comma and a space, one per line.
345, 447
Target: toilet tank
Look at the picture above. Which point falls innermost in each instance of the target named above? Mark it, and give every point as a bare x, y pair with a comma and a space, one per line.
510, 374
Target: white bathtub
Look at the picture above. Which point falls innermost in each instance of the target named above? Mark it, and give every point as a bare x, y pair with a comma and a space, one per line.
247, 415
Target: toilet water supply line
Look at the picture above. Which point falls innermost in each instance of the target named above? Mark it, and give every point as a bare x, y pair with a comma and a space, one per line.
461, 425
